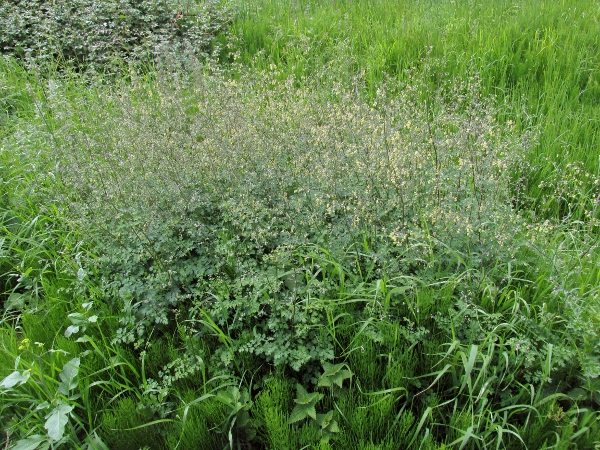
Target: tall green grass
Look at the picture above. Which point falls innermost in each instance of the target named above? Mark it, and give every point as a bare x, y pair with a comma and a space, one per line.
541, 57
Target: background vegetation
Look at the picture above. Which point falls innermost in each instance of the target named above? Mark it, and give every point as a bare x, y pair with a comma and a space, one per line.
335, 224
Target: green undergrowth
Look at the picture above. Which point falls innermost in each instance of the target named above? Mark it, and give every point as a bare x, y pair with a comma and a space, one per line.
414, 364
351, 231
250, 263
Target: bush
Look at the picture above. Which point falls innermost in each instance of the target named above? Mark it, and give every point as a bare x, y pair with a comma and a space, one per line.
214, 195
98, 36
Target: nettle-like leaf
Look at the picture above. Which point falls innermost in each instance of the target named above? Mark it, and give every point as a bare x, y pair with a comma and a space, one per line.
305, 405
235, 399
327, 423
334, 374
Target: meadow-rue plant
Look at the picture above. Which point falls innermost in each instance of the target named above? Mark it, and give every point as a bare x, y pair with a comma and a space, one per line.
200, 187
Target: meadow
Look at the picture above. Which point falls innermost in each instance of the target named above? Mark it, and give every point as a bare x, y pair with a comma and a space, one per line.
300, 225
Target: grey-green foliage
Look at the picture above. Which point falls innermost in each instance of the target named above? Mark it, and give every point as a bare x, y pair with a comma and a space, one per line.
205, 191
96, 35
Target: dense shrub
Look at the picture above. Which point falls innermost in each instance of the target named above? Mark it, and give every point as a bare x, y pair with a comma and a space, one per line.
100, 35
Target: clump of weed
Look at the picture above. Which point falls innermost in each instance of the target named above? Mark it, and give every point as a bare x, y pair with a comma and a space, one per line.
200, 189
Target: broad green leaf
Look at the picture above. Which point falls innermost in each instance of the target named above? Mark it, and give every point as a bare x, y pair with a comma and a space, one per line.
323, 420
303, 397
68, 376
308, 399
327, 423
30, 443
305, 404
334, 374
333, 427
312, 412
300, 391
57, 420
229, 397
14, 378
72, 329
78, 318
298, 414
331, 369
15, 301
327, 380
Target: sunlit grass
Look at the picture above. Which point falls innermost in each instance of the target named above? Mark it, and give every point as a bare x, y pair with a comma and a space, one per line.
541, 57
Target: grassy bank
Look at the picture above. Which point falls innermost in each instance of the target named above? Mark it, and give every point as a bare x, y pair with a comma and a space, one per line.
350, 227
